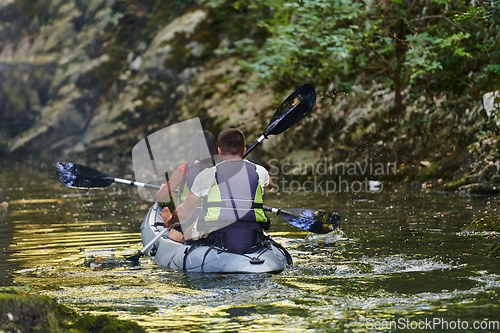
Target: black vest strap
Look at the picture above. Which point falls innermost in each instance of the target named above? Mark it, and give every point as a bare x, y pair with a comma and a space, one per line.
227, 204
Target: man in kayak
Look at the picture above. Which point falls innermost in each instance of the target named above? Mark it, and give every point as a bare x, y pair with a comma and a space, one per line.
231, 193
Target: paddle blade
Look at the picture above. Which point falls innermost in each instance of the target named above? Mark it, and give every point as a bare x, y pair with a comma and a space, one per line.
294, 108
317, 222
81, 176
134, 260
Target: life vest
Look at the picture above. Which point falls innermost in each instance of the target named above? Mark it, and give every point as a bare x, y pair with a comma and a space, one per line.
190, 172
233, 208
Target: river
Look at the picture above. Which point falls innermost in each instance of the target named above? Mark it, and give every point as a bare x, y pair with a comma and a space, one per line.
400, 259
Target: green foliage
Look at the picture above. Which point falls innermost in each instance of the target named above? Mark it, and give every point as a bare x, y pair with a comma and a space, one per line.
484, 11
429, 44
307, 39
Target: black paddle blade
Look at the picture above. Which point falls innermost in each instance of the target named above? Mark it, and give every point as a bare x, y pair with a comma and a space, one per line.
81, 176
134, 260
294, 108
317, 222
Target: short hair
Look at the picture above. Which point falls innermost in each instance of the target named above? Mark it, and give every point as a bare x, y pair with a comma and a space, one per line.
232, 142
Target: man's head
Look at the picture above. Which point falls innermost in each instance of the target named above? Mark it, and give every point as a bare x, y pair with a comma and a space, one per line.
232, 142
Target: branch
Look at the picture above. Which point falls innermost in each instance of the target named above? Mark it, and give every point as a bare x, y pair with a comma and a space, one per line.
426, 18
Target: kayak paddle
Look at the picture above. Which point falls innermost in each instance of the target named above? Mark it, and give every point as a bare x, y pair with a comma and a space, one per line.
135, 258
82, 176
294, 108
317, 222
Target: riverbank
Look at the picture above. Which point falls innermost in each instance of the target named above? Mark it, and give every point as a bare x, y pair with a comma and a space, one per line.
21, 311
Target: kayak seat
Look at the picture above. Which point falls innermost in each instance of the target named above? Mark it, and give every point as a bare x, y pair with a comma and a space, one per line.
238, 237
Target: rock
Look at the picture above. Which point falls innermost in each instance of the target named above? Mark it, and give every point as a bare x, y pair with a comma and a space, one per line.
160, 48
67, 105
488, 221
23, 312
99, 263
494, 250
491, 101
425, 163
136, 64
77, 115
20, 312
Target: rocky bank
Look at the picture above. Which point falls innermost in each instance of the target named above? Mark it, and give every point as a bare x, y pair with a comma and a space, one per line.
91, 78
21, 311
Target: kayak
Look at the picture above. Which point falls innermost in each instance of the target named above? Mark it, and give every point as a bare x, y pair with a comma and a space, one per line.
269, 258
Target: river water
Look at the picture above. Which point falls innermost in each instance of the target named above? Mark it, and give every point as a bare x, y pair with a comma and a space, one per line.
400, 259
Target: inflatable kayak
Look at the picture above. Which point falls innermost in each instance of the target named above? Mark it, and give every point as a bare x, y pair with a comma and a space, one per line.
269, 257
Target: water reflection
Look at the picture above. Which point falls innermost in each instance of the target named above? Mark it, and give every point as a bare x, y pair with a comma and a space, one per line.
398, 254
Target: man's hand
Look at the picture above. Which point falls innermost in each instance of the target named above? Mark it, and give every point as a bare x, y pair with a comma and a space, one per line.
166, 215
270, 186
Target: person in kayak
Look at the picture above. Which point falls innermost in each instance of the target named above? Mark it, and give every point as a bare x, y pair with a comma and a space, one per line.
231, 193
185, 174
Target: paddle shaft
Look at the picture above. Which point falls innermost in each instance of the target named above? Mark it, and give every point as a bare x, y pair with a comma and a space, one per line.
134, 183
156, 187
256, 143
272, 210
148, 245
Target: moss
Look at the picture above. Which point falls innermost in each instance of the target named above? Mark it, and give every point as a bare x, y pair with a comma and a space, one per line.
483, 189
105, 324
446, 168
487, 221
494, 250
27, 313
23, 312
453, 186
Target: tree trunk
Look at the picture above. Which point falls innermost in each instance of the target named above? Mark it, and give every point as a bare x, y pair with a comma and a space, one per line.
400, 48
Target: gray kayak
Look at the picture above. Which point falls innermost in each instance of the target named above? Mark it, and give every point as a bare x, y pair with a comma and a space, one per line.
270, 258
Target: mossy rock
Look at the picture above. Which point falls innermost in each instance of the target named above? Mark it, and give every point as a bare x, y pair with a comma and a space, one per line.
20, 312
454, 186
475, 188
494, 250
484, 189
99, 263
105, 324
489, 220
23, 312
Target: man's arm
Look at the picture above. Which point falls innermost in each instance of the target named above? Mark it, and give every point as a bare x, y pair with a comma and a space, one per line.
270, 186
264, 178
184, 211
